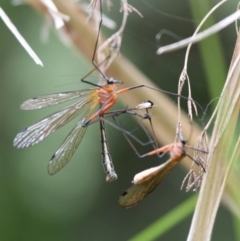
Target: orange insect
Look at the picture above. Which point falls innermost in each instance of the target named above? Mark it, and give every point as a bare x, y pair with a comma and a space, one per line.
146, 181
104, 96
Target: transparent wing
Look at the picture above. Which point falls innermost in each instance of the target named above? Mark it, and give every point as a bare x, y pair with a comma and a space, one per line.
37, 132
53, 99
138, 192
65, 152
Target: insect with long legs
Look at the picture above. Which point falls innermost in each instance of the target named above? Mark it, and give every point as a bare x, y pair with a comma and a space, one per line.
146, 181
103, 95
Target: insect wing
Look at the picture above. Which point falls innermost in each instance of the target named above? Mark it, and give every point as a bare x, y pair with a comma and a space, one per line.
146, 182
68, 147
53, 99
37, 132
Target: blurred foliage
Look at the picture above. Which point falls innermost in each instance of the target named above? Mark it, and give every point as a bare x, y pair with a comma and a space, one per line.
76, 203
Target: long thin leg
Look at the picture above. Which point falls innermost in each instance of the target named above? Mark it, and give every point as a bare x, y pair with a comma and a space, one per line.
160, 90
160, 151
128, 133
132, 111
94, 54
96, 44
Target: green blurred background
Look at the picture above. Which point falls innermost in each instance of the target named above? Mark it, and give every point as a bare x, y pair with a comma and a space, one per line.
77, 203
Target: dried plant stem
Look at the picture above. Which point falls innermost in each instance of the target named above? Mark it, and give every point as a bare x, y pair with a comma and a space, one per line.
184, 73
224, 130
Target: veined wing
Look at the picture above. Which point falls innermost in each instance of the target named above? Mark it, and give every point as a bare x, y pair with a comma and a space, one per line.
65, 152
37, 132
53, 99
145, 182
